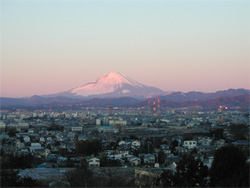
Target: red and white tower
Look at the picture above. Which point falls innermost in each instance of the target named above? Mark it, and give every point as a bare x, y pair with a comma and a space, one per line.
110, 109
158, 105
148, 106
154, 109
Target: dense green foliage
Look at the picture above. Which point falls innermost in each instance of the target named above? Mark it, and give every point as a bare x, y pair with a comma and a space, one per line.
217, 134
81, 177
238, 131
190, 173
9, 161
88, 147
229, 168
10, 178
107, 177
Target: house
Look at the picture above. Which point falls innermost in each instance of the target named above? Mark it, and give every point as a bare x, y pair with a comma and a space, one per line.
18, 144
220, 142
180, 150
94, 162
172, 167
172, 159
164, 146
62, 161
205, 141
136, 144
115, 156
167, 150
42, 152
210, 159
76, 160
198, 156
241, 143
129, 157
123, 150
157, 150
35, 146
26, 139
205, 149
149, 159
31, 130
42, 139
122, 142
135, 161
190, 144
76, 129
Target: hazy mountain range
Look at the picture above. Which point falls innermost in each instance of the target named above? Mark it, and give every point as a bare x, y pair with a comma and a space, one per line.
118, 90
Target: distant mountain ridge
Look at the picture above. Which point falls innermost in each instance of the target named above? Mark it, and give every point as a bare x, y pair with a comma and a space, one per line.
234, 101
200, 96
231, 98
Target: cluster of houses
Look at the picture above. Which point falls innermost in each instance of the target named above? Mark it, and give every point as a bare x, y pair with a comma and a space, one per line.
56, 149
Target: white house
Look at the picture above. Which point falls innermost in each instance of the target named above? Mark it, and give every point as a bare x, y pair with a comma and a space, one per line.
136, 144
190, 144
122, 142
94, 162
26, 139
2, 125
42, 139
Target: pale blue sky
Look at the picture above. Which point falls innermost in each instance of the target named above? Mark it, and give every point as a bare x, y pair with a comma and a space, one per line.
51, 46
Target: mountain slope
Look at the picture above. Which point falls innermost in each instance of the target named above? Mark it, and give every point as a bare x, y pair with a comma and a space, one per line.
112, 84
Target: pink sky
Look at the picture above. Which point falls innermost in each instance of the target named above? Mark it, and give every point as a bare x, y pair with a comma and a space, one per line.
175, 46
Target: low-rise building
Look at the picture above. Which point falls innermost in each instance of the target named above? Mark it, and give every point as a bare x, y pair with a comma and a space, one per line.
94, 162
190, 144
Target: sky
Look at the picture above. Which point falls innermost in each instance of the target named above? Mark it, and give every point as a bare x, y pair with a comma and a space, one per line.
49, 46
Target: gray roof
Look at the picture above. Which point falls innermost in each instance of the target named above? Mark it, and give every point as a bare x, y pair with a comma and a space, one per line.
44, 173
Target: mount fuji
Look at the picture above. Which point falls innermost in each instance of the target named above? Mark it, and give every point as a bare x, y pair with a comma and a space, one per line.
112, 84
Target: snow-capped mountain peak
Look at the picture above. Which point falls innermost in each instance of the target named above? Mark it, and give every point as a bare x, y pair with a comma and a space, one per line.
113, 84
117, 80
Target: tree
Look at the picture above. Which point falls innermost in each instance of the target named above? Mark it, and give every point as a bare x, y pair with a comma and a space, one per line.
133, 137
166, 178
175, 143
238, 131
229, 168
217, 134
10, 178
10, 161
12, 132
161, 157
106, 177
190, 173
105, 162
114, 177
88, 147
81, 177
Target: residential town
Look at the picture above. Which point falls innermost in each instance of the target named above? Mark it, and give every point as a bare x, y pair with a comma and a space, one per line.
50, 146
